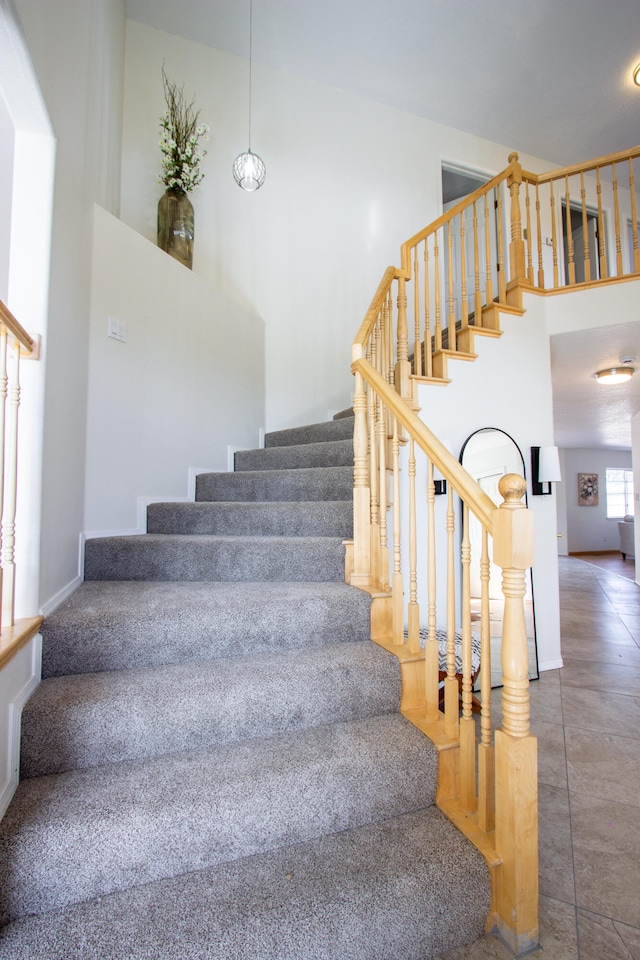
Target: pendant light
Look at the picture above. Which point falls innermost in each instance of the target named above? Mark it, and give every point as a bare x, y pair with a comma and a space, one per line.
248, 168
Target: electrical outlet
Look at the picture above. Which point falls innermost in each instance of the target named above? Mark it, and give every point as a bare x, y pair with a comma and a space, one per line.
117, 330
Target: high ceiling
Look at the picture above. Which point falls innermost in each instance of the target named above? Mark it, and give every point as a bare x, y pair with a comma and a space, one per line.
551, 78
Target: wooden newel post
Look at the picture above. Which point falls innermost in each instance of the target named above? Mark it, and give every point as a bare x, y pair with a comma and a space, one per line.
361, 574
517, 264
515, 748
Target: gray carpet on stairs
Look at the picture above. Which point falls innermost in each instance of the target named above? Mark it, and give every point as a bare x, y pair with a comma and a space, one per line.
116, 626
75, 722
335, 453
326, 899
317, 518
83, 834
214, 766
313, 483
158, 556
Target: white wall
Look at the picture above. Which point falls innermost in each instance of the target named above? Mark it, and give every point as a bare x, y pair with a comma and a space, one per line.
521, 407
7, 147
188, 381
77, 47
635, 458
588, 527
347, 182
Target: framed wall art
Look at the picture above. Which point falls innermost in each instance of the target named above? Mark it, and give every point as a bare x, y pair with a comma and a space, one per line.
587, 489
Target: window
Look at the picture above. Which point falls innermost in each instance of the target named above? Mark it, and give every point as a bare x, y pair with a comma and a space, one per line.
619, 487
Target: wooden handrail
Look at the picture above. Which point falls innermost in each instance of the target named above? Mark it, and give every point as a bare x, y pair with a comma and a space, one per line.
467, 201
390, 274
481, 505
631, 154
15, 328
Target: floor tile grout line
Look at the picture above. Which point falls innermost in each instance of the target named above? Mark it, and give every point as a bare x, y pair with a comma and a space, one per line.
573, 860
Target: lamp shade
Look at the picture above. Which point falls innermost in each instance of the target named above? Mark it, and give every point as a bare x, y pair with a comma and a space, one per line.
249, 171
549, 465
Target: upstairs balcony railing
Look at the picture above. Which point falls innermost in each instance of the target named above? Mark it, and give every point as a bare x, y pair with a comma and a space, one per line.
520, 231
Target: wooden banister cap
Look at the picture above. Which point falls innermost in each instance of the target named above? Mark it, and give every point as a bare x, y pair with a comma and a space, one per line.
512, 489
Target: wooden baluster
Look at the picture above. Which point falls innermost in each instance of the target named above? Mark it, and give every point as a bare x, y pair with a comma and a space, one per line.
432, 654
389, 358
3, 418
464, 305
467, 724
10, 485
487, 243
374, 476
438, 322
396, 582
554, 238
428, 349
361, 575
451, 692
529, 245
477, 292
585, 230
516, 248
602, 249
569, 236
486, 757
451, 319
381, 431
616, 212
635, 254
502, 280
402, 371
414, 607
417, 336
539, 232
515, 749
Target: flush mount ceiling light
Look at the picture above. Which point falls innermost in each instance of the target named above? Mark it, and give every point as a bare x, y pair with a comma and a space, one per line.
615, 374
636, 75
248, 168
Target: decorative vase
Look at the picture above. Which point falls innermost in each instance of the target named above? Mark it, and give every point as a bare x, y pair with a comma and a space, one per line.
175, 225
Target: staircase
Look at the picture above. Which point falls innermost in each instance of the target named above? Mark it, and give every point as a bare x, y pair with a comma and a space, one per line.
214, 765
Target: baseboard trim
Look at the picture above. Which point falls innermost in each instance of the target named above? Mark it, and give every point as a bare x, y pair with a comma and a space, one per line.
545, 665
58, 598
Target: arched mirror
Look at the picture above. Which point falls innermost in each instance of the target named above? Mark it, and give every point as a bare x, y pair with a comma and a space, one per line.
487, 455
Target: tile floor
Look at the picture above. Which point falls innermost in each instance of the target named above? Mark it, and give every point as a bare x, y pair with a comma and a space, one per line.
587, 720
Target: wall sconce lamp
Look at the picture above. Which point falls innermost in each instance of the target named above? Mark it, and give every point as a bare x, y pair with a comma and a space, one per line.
545, 470
636, 75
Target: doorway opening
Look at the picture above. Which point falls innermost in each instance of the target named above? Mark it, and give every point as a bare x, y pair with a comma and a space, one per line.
458, 183
586, 261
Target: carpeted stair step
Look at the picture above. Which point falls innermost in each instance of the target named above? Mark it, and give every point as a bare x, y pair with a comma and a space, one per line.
334, 453
342, 414
117, 626
312, 483
81, 721
87, 833
316, 518
384, 891
313, 433
157, 556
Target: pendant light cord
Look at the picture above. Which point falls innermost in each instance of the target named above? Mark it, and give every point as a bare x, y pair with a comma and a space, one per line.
250, 64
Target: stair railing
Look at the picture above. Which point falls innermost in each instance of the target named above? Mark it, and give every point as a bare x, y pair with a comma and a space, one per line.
581, 222
488, 788
15, 344
520, 231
